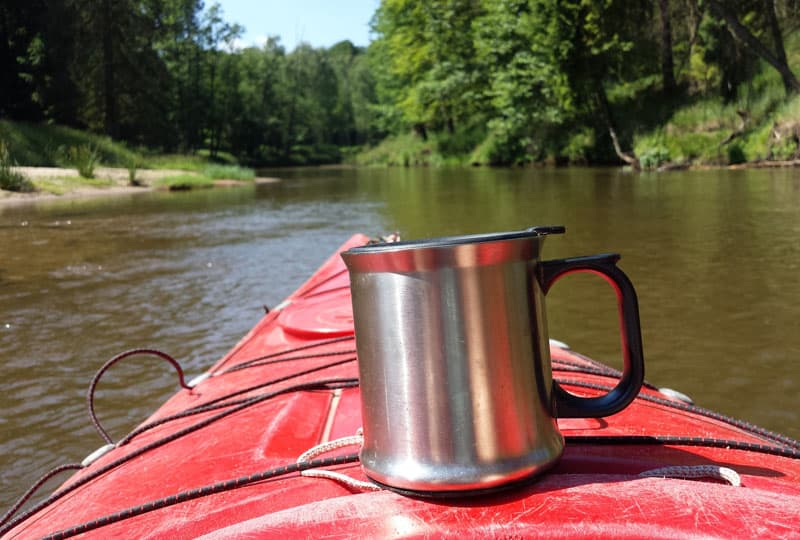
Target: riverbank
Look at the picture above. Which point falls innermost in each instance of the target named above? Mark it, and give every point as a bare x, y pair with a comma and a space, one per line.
63, 183
55, 183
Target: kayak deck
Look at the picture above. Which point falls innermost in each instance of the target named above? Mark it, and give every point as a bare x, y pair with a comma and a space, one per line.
219, 460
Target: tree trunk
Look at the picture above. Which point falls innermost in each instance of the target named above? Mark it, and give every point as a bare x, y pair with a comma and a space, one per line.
109, 97
605, 110
667, 67
212, 105
421, 130
775, 30
740, 32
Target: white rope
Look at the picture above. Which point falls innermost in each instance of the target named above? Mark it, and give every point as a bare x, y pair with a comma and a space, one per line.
311, 453
697, 471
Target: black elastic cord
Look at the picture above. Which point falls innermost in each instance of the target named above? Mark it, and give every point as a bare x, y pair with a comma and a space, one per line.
682, 441
204, 491
31, 490
222, 401
96, 379
315, 385
770, 436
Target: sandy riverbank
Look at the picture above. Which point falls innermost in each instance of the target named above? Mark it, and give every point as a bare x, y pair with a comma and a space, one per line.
108, 181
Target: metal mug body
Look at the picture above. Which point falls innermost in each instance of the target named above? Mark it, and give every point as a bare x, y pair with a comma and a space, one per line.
454, 362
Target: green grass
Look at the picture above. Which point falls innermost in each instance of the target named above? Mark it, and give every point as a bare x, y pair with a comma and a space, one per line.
187, 162
47, 145
182, 182
696, 129
181, 162
60, 186
696, 132
223, 158
229, 172
83, 158
409, 150
11, 179
43, 145
682, 128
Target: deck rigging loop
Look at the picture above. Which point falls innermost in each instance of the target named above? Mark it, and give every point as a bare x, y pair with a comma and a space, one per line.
7, 523
197, 493
121, 356
323, 448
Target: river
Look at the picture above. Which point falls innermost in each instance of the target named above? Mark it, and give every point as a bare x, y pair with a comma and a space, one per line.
714, 256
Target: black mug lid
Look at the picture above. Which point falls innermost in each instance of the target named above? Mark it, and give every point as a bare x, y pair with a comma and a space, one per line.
446, 241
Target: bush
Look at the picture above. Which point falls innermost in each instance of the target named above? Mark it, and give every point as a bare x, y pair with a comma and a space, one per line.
736, 154
500, 147
653, 158
579, 145
229, 172
185, 182
10, 179
133, 166
397, 151
84, 158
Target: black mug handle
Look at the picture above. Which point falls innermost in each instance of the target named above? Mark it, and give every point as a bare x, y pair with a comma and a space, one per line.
569, 405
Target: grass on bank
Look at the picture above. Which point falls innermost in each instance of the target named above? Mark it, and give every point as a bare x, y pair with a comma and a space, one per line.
11, 179
49, 145
692, 127
229, 172
409, 150
45, 145
186, 162
184, 182
67, 184
761, 124
210, 173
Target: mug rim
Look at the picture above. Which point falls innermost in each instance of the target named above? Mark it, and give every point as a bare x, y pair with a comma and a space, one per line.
449, 241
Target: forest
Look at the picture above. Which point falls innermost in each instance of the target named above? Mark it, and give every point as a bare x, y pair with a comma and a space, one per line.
498, 82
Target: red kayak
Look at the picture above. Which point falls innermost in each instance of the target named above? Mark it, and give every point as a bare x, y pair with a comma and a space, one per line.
266, 446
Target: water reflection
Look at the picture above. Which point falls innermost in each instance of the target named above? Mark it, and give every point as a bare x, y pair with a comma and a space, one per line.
714, 256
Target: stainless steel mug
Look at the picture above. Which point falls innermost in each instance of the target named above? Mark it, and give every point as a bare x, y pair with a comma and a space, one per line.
454, 360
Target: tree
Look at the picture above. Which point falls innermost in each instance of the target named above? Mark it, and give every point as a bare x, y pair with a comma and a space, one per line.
667, 64
778, 59
527, 89
216, 37
429, 50
21, 27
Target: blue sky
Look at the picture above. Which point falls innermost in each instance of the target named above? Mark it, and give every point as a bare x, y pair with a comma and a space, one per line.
318, 22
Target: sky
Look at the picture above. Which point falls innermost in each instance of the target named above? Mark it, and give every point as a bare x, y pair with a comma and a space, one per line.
321, 23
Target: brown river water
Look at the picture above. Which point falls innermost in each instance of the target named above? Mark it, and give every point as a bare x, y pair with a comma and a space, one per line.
714, 256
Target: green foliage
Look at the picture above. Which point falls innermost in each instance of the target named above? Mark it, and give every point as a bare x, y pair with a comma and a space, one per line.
653, 158
229, 172
695, 131
60, 186
40, 145
84, 158
168, 75
579, 146
11, 179
398, 151
736, 153
133, 166
184, 162
501, 147
462, 141
184, 182
483, 81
